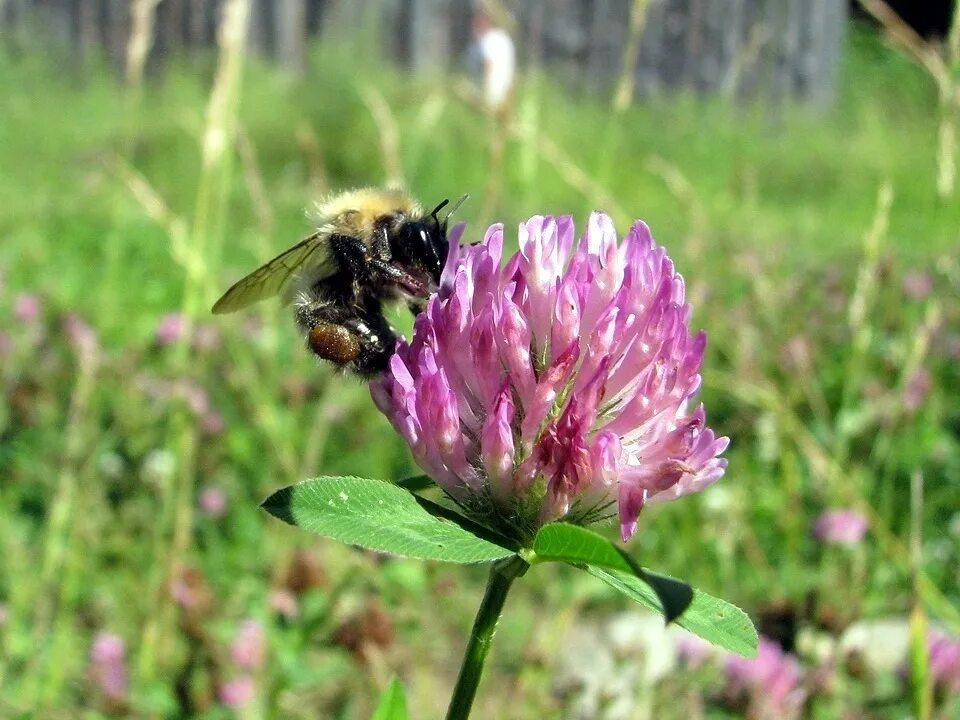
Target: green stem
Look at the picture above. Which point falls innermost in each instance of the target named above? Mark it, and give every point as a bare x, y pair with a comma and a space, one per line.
502, 575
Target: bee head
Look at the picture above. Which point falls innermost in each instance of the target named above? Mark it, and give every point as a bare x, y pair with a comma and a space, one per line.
421, 245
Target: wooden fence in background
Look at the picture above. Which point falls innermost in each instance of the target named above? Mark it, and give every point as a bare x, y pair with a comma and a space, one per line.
786, 48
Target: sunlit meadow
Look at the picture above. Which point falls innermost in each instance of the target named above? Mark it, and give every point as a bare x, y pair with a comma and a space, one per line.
138, 434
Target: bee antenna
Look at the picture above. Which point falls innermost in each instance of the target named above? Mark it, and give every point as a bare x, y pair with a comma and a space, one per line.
455, 207
437, 209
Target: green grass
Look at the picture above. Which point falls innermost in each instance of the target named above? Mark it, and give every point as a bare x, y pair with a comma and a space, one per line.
763, 211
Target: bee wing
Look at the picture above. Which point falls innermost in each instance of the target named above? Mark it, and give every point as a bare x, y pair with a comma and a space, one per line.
271, 279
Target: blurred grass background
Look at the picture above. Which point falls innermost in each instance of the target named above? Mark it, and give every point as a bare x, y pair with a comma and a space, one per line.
817, 255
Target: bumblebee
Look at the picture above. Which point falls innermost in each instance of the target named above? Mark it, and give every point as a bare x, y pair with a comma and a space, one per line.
371, 247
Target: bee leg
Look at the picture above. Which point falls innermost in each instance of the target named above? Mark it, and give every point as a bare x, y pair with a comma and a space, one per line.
377, 343
388, 273
364, 343
358, 263
380, 242
327, 336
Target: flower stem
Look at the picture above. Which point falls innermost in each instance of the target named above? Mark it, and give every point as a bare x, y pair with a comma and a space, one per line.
502, 575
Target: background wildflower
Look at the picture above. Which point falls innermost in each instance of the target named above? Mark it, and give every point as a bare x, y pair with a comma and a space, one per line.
840, 527
284, 603
692, 651
772, 681
170, 329
237, 692
206, 338
213, 502
917, 284
190, 591
212, 423
945, 661
247, 649
108, 666
917, 390
559, 382
82, 336
27, 308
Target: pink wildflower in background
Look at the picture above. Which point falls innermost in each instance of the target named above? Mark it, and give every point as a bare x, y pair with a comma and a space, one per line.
196, 398
170, 329
190, 591
206, 338
558, 383
840, 527
917, 390
81, 336
27, 308
773, 682
284, 603
212, 423
213, 502
237, 692
248, 649
917, 284
944, 652
692, 651
108, 666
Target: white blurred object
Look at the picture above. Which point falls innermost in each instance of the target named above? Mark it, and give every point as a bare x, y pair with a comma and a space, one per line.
494, 49
819, 646
643, 637
608, 671
881, 644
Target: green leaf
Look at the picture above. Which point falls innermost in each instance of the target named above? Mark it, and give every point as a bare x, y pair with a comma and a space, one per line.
393, 703
444, 507
378, 516
416, 483
713, 619
474, 528
578, 545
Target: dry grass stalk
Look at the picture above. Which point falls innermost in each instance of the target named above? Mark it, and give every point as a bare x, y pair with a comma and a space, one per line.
310, 147
253, 179
939, 63
746, 57
631, 53
571, 172
680, 187
867, 276
497, 123
221, 107
157, 210
387, 132
142, 14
